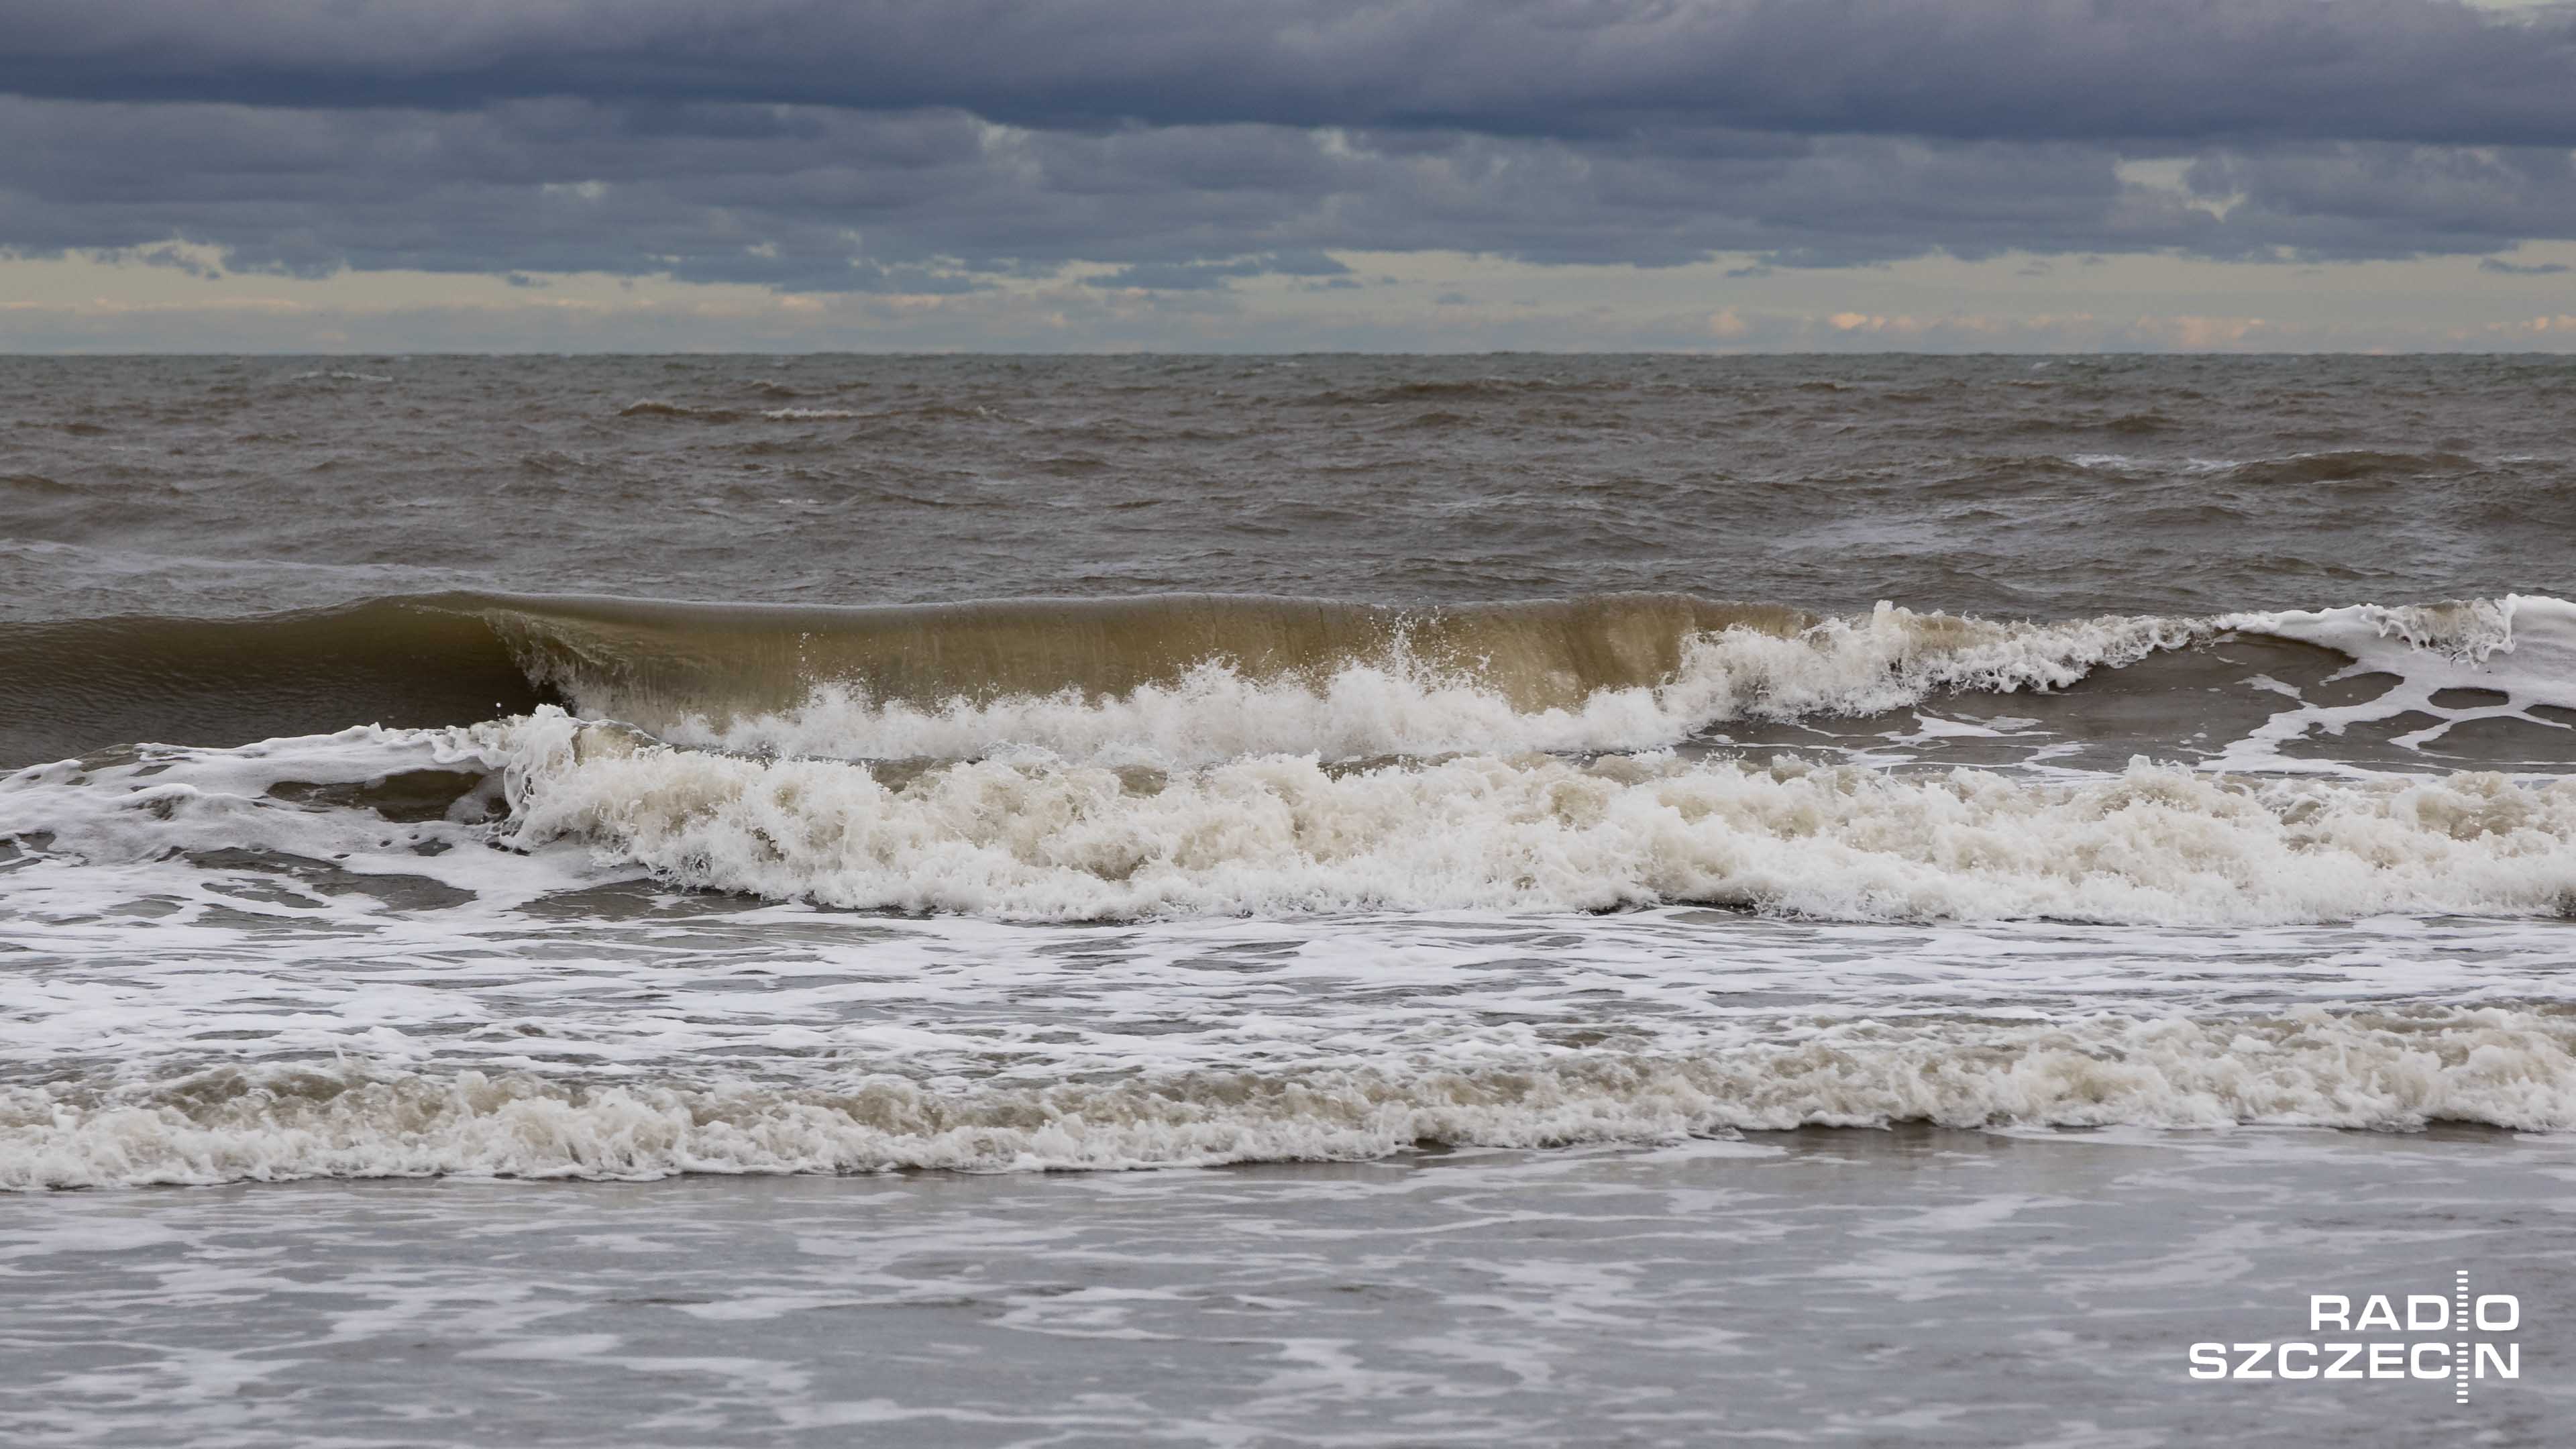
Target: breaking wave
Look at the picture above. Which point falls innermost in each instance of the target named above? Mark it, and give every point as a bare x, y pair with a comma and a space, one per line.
1186, 678
1042, 839
2505, 1067
2159, 845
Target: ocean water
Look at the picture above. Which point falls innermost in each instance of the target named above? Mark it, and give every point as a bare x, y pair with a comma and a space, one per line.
1471, 901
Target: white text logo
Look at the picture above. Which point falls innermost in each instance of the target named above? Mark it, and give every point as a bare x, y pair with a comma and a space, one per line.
2384, 1336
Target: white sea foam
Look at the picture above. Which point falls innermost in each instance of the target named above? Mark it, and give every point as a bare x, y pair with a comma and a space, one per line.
653, 407
279, 1011
1217, 795
2521, 647
1044, 840
806, 415
2130, 461
326, 375
162, 799
132, 823
2509, 1068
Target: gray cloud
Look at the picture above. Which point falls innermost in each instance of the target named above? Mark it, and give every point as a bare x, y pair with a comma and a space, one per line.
1187, 145
926, 201
930, 201
2357, 201
2392, 70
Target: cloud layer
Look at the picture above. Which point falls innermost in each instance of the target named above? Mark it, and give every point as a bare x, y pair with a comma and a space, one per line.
1182, 145
2385, 70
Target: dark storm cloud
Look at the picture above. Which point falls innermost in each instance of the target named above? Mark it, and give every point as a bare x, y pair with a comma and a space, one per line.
919, 202
2373, 200
2400, 70
1186, 146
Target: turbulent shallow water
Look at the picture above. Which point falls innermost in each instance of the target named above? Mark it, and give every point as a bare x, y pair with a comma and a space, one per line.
1656, 799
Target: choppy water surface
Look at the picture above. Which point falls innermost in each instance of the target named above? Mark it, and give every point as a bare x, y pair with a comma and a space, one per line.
1764, 875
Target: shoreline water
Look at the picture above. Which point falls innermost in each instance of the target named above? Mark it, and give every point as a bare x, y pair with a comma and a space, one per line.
2204, 790
1922, 1285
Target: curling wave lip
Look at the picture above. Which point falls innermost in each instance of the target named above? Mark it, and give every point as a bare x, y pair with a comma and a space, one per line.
1200, 678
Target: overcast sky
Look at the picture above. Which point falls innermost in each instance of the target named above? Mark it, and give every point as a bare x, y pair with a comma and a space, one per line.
1225, 175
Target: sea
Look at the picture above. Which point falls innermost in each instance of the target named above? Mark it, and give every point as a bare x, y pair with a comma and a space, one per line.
1375, 901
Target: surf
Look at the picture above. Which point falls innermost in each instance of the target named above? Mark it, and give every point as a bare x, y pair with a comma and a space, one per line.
1182, 680
2513, 1068
511, 809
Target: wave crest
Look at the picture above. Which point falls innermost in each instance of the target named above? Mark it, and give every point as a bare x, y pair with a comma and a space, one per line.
1184, 679
1404, 704
1047, 841
2509, 1068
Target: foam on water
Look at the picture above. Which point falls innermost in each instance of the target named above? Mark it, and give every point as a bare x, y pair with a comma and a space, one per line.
2506, 1068
2156, 844
2520, 648
229, 967
1035, 837
333, 375
298, 799
1345, 918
